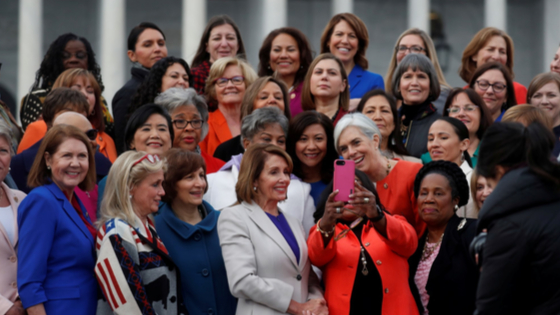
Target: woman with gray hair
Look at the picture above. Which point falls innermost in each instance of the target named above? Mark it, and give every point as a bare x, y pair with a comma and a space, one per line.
415, 83
357, 138
264, 125
189, 115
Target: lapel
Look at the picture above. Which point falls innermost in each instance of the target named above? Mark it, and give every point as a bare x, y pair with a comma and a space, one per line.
449, 247
263, 222
184, 229
302, 244
221, 127
14, 203
355, 77
150, 239
69, 209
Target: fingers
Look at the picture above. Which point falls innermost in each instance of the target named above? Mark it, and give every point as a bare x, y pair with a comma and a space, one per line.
331, 196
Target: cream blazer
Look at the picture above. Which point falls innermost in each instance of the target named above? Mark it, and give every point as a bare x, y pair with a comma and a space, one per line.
8, 254
261, 267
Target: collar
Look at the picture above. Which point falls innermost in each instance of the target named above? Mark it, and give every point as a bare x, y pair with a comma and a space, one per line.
185, 230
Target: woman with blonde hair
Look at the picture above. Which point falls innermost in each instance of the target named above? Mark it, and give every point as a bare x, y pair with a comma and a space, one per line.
416, 41
488, 45
227, 82
133, 268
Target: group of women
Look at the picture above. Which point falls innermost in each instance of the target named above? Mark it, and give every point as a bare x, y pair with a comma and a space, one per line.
220, 199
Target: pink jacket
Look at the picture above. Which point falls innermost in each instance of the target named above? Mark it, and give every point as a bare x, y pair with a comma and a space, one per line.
8, 255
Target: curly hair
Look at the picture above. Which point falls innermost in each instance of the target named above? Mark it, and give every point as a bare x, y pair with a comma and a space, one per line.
454, 175
52, 65
151, 87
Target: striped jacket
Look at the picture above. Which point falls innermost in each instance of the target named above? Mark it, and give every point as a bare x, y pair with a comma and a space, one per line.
135, 272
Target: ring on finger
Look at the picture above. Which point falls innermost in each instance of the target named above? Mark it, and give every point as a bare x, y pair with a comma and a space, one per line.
366, 200
338, 210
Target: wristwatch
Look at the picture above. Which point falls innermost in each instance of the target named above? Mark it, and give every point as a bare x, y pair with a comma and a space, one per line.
380, 215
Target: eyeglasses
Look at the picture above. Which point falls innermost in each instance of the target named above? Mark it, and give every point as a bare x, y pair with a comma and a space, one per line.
182, 124
152, 158
237, 80
497, 87
466, 108
413, 49
92, 134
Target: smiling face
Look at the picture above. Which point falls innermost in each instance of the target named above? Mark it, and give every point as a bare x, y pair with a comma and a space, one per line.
284, 55
343, 42
231, 93
222, 42
547, 98
555, 64
354, 145
435, 201
492, 99
483, 190
378, 109
410, 41
494, 50
75, 55
191, 188
153, 136
83, 85
468, 113
444, 143
273, 182
69, 164
175, 76
311, 146
270, 95
146, 195
326, 80
188, 137
414, 87
272, 134
150, 47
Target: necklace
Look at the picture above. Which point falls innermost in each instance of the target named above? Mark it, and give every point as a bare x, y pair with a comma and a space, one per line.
364, 261
388, 166
427, 252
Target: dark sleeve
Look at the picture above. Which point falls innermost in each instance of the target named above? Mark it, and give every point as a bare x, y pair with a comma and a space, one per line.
222, 152
502, 276
19, 174
121, 102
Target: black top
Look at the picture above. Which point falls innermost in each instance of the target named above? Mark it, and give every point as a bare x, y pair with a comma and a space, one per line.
416, 125
366, 299
520, 273
121, 102
229, 148
556, 150
454, 275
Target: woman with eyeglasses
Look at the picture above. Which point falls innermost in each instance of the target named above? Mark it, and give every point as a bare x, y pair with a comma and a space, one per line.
189, 115
467, 106
416, 41
491, 45
226, 84
134, 269
493, 82
362, 250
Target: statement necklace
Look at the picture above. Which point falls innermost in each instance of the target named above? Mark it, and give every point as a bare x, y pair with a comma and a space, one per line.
427, 252
388, 166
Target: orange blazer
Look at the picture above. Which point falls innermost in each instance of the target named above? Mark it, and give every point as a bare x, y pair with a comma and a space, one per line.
396, 193
107, 146
218, 132
339, 263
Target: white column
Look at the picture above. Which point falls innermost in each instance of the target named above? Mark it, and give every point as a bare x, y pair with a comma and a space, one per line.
113, 47
30, 45
551, 25
275, 15
342, 6
495, 14
193, 24
419, 14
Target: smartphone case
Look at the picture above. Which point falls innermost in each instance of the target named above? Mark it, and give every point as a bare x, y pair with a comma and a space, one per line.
343, 179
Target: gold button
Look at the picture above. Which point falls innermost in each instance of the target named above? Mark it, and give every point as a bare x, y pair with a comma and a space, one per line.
385, 186
13, 259
386, 290
293, 95
378, 262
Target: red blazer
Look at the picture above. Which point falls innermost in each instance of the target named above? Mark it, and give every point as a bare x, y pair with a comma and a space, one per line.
218, 132
339, 263
212, 164
520, 93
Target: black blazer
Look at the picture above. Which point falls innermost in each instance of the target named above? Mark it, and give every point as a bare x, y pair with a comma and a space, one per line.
229, 148
454, 275
121, 103
21, 166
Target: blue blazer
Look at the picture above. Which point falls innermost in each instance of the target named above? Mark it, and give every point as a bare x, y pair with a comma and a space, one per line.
21, 166
56, 254
362, 81
196, 251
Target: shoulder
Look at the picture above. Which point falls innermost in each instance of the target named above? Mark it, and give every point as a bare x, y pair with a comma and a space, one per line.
407, 167
372, 76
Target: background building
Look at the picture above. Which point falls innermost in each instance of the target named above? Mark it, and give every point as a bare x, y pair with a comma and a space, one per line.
27, 27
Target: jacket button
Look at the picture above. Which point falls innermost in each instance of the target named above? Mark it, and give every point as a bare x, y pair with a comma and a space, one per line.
197, 237
210, 311
298, 277
367, 244
205, 272
378, 262
385, 186
13, 259
386, 290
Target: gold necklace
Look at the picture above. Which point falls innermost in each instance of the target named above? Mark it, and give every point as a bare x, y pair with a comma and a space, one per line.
388, 166
427, 252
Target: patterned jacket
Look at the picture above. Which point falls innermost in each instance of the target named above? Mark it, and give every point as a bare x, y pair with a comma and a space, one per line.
135, 272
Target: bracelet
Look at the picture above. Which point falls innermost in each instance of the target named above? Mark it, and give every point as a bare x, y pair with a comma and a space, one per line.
325, 233
380, 215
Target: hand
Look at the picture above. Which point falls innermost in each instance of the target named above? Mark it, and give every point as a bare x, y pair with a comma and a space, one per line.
363, 201
16, 309
353, 105
315, 306
330, 216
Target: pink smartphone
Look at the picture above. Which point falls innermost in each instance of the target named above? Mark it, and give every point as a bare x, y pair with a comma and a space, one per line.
343, 179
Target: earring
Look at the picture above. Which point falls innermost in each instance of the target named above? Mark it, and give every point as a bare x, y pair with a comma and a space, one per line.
48, 167
129, 196
255, 188
269, 67
9, 169
456, 207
